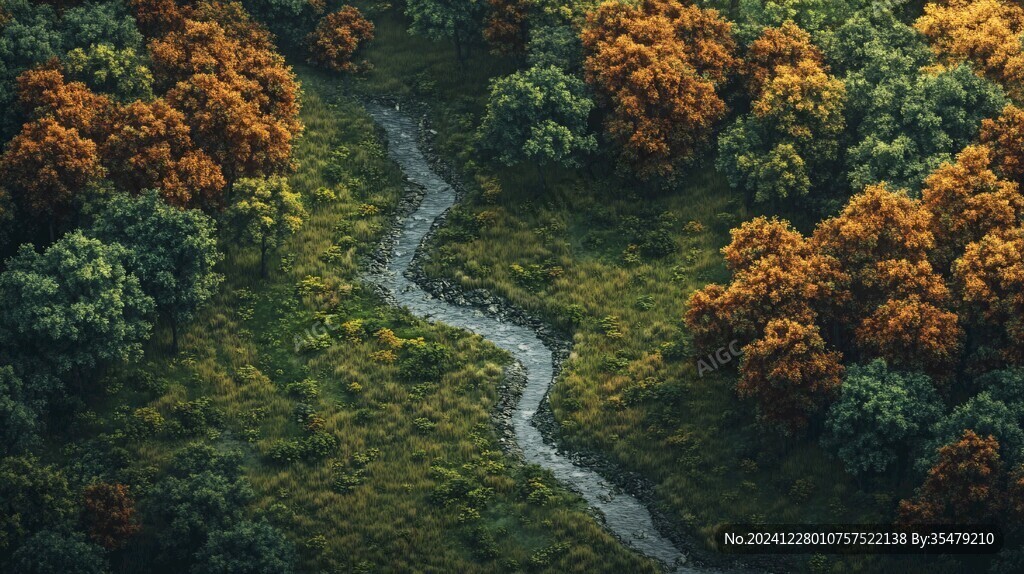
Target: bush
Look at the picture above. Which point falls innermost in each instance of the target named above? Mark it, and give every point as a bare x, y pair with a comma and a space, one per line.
424, 362
195, 417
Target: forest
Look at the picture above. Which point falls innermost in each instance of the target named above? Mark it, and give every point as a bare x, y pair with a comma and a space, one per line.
471, 286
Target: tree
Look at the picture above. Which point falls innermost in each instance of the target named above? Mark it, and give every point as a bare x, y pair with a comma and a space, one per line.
789, 373
72, 308
266, 212
109, 514
962, 488
538, 115
59, 552
232, 129
967, 201
457, 20
781, 149
32, 497
150, 147
45, 165
28, 37
246, 548
1004, 137
657, 67
785, 46
337, 37
44, 93
985, 416
776, 274
190, 505
107, 22
106, 69
991, 276
878, 415
908, 123
913, 334
507, 29
172, 251
986, 32
19, 414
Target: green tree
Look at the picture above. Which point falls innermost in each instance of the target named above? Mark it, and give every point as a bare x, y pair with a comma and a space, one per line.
173, 252
121, 73
460, 21
57, 552
246, 548
72, 308
28, 37
538, 115
203, 493
266, 212
32, 497
878, 416
19, 417
106, 22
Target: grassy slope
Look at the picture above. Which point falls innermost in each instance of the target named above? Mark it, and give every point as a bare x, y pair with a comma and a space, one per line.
389, 522
712, 464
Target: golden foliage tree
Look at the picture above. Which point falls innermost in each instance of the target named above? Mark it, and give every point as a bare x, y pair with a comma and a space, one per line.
967, 200
657, 67
985, 32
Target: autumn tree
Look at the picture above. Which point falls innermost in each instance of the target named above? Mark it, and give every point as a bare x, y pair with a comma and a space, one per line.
109, 514
776, 274
968, 200
790, 374
232, 129
785, 46
172, 251
45, 166
912, 334
657, 67
44, 93
506, 27
1004, 137
964, 486
878, 416
985, 32
337, 37
266, 212
150, 147
538, 115
991, 277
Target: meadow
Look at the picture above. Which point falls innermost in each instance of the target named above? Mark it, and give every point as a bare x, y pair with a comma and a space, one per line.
407, 474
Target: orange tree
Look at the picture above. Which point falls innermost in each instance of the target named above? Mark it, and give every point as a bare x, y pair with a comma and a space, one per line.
657, 67
337, 37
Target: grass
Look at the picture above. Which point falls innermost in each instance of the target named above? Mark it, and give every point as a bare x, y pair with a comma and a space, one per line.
412, 478
573, 253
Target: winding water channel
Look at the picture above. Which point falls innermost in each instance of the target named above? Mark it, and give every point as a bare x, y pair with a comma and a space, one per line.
625, 516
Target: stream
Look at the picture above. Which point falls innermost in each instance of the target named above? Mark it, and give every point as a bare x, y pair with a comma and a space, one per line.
625, 516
